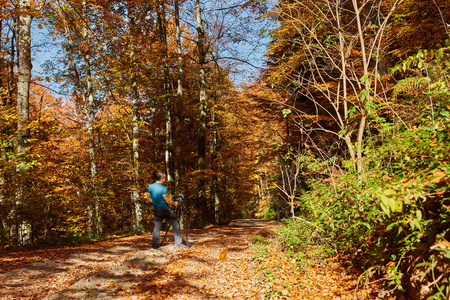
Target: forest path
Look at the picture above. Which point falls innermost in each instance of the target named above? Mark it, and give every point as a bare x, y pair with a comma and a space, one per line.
127, 268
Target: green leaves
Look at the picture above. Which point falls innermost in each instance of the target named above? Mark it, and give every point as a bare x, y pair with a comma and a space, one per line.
415, 223
389, 203
365, 79
286, 112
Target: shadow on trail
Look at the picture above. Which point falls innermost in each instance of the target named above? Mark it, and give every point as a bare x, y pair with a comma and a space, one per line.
198, 273
127, 268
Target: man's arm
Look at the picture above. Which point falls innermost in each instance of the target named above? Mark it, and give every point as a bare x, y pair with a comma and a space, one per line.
149, 198
169, 201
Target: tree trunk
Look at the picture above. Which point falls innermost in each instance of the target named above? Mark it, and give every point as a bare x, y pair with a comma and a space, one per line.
24, 74
362, 122
162, 22
179, 103
201, 132
2, 88
7, 146
138, 221
215, 200
11, 67
344, 122
96, 217
137, 207
23, 96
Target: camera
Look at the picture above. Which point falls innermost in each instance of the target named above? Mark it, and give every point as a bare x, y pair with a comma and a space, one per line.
180, 198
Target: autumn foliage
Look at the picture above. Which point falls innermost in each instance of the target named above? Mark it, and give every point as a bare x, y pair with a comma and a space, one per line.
344, 134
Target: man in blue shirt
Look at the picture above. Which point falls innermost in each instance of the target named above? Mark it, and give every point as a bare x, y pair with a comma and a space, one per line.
158, 195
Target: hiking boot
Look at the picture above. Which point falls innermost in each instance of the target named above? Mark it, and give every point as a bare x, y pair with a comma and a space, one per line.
182, 246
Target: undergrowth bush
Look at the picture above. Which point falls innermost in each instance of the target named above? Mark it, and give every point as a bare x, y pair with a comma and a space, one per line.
393, 220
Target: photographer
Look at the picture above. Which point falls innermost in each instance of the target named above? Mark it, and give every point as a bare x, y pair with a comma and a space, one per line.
158, 195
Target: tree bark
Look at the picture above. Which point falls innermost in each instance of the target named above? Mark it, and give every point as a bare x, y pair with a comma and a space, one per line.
138, 220
24, 74
201, 132
137, 207
2, 88
344, 123
11, 74
362, 122
215, 200
179, 102
162, 22
96, 217
23, 97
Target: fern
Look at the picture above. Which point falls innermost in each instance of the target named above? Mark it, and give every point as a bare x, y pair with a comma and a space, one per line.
409, 86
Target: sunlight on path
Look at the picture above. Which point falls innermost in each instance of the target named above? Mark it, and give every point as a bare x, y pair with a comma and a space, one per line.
126, 268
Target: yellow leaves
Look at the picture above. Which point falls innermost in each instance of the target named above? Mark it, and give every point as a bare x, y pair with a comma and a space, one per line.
155, 294
223, 255
391, 268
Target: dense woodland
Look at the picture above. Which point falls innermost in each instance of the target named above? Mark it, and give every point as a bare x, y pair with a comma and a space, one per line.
344, 133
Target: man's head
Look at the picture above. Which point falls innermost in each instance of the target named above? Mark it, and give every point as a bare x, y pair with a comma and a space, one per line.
160, 176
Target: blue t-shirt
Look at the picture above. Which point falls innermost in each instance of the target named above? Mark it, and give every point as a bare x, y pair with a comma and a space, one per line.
157, 190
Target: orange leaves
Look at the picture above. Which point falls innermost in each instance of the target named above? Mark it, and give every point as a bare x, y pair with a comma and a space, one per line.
438, 176
324, 280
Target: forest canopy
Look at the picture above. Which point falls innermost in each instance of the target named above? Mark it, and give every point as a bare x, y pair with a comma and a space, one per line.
343, 131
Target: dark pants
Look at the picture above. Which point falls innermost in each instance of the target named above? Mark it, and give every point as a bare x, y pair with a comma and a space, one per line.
168, 214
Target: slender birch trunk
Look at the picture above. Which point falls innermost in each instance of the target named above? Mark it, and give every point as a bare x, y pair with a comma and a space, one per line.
344, 123
138, 220
362, 122
137, 207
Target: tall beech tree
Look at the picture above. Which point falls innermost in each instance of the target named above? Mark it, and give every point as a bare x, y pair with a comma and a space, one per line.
23, 99
24, 73
201, 131
94, 207
162, 26
179, 95
135, 162
8, 130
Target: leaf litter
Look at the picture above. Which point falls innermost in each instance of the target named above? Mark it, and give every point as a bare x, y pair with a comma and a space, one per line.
217, 266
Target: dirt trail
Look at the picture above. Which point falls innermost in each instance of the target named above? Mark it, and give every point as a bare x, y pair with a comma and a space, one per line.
126, 268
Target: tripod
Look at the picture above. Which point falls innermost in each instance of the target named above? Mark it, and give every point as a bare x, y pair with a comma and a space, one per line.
180, 208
